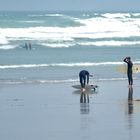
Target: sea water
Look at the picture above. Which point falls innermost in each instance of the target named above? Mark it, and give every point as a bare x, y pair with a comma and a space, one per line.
63, 43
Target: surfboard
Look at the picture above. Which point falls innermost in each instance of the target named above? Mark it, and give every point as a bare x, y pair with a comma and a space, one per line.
123, 68
87, 87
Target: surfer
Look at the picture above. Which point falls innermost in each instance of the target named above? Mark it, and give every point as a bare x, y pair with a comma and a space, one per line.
26, 46
129, 70
30, 46
84, 78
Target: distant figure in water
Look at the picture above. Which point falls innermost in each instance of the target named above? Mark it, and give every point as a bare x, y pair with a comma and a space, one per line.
84, 78
30, 46
26, 46
129, 70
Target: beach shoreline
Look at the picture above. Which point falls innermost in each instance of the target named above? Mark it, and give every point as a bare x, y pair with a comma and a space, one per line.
54, 112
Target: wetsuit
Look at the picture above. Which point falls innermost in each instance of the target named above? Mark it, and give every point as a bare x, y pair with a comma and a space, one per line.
129, 71
84, 77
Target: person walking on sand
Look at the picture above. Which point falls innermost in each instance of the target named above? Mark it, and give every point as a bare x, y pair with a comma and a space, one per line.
129, 70
84, 78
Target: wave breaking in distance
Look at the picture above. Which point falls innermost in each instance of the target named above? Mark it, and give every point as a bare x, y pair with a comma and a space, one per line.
7, 47
47, 15
110, 43
82, 64
117, 15
106, 26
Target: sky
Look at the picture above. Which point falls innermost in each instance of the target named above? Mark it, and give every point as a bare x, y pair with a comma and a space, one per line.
70, 5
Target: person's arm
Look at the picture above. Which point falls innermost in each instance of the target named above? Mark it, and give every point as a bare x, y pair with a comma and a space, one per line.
125, 60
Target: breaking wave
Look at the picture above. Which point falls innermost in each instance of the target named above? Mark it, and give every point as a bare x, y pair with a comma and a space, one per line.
63, 65
105, 26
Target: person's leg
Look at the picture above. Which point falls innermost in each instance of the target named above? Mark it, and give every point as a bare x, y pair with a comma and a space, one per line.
81, 82
84, 81
130, 79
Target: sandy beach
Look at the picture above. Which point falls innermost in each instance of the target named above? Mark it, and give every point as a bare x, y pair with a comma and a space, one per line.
54, 112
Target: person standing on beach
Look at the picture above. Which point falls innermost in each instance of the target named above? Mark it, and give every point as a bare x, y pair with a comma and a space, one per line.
129, 70
84, 78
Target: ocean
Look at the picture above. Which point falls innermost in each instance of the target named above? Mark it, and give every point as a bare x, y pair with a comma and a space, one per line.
63, 43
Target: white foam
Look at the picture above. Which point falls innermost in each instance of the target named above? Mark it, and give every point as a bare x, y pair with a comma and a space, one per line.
111, 79
54, 15
57, 33
116, 15
136, 14
40, 81
32, 21
3, 40
63, 65
37, 81
57, 45
110, 43
23, 66
93, 28
42, 15
7, 47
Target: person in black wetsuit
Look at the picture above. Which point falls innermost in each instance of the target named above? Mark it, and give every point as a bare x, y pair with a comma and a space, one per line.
84, 78
129, 70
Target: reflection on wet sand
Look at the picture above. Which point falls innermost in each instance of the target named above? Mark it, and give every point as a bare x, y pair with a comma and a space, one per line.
130, 113
84, 103
84, 98
130, 100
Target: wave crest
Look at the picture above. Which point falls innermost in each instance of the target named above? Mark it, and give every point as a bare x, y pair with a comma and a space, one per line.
81, 64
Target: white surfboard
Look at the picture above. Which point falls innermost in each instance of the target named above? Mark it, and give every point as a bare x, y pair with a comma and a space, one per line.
87, 87
123, 68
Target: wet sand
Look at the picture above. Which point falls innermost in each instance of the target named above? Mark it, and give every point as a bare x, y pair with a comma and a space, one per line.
58, 112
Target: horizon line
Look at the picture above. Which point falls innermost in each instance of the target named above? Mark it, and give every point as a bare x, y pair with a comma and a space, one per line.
113, 11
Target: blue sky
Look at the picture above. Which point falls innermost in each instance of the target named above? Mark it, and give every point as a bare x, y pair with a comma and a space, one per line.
84, 5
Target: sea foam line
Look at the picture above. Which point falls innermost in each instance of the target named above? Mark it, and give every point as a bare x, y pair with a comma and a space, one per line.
48, 15
63, 65
56, 81
110, 43
7, 47
37, 81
